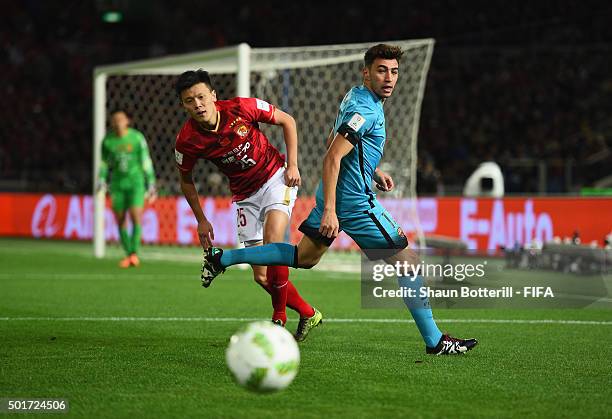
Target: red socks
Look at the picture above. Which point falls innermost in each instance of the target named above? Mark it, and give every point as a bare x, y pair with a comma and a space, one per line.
284, 293
295, 301
278, 278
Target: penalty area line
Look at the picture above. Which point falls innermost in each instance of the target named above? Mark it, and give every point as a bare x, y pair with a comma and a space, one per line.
329, 320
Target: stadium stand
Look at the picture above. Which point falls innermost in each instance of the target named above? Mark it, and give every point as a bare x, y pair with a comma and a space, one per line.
528, 87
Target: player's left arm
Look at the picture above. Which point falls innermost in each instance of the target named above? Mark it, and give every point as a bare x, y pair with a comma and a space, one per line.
292, 173
149, 172
384, 182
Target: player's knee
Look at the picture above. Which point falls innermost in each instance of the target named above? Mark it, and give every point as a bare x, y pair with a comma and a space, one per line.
261, 279
308, 261
411, 256
405, 255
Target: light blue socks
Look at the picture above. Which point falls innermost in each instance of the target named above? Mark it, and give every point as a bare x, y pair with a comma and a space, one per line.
273, 254
421, 310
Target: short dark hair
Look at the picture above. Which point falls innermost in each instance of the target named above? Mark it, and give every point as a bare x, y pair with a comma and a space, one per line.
190, 78
117, 110
385, 51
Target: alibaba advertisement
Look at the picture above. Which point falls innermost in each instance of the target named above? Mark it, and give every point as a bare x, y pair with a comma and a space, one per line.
482, 223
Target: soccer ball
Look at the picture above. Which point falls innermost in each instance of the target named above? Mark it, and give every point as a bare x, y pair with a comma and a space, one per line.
263, 357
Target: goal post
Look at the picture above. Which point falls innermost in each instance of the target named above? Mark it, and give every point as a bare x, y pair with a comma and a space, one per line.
307, 82
230, 60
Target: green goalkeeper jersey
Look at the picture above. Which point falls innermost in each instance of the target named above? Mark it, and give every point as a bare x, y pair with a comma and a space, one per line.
128, 159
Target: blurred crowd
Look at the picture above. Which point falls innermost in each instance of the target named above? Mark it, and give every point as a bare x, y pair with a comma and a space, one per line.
520, 87
521, 108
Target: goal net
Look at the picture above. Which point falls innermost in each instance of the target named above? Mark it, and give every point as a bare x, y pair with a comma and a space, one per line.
307, 82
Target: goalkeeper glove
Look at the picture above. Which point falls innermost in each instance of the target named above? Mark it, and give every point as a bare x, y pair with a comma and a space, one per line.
151, 194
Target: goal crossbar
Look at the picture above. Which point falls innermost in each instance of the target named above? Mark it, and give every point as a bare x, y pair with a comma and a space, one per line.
243, 62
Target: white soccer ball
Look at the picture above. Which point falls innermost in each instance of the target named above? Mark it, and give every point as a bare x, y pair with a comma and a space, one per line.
263, 357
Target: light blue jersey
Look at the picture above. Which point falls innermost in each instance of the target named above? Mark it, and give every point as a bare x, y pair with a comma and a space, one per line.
361, 120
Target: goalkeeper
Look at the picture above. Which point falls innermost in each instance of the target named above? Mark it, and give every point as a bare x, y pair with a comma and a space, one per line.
126, 155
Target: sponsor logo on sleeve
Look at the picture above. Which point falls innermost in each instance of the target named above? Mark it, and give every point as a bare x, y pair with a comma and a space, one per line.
179, 157
401, 232
262, 105
356, 122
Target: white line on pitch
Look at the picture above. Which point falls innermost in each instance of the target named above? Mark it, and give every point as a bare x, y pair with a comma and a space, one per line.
249, 319
125, 277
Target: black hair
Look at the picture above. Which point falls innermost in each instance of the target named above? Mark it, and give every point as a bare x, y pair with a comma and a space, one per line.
190, 78
114, 111
387, 52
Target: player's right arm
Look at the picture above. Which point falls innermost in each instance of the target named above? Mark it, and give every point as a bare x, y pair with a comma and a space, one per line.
186, 157
339, 148
351, 128
205, 229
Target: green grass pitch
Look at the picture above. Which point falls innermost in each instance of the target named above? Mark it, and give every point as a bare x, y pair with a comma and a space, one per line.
150, 341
